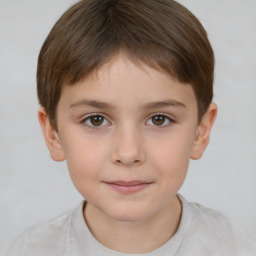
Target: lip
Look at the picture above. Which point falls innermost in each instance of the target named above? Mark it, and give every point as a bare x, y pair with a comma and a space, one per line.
128, 187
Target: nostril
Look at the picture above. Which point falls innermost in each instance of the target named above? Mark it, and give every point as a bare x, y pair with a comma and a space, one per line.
127, 152
127, 162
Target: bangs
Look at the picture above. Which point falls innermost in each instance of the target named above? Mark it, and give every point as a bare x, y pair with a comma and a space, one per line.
159, 33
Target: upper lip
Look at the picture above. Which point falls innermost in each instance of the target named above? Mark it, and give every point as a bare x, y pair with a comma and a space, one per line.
128, 183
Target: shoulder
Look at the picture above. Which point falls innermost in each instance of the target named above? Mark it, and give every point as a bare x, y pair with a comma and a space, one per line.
215, 232
47, 238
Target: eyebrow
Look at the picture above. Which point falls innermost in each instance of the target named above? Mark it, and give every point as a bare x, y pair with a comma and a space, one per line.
150, 105
163, 104
92, 103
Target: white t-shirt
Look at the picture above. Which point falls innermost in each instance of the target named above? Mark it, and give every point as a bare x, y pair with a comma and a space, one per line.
202, 232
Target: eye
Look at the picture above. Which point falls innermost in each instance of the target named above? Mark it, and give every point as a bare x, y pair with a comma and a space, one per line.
159, 120
96, 121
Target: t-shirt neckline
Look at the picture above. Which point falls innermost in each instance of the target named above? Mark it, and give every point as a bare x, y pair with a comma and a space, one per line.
81, 239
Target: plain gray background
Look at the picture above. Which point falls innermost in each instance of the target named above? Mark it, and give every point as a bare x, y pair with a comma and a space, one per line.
33, 188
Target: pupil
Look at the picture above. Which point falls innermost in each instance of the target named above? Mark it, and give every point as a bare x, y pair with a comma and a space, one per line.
158, 120
97, 120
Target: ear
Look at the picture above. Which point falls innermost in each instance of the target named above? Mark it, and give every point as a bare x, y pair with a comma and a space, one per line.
51, 136
203, 132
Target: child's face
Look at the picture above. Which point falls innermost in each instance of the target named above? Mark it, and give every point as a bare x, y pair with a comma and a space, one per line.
127, 135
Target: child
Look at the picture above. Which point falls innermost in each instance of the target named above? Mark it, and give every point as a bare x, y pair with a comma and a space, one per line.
125, 89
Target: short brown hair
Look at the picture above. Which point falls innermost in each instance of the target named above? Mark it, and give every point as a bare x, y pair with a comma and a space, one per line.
160, 33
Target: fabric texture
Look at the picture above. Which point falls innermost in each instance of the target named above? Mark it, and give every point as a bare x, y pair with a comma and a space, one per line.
201, 232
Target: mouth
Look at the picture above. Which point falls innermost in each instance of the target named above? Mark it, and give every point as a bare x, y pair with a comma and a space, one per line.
129, 187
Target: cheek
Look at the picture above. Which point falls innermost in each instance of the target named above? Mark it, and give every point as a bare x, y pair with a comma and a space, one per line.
171, 156
172, 165
85, 159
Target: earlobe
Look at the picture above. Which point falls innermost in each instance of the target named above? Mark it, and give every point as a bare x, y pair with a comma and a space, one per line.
51, 136
203, 132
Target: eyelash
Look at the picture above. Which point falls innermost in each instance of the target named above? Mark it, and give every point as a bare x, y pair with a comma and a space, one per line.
89, 118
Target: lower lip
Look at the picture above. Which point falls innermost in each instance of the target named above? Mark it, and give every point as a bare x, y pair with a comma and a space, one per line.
128, 189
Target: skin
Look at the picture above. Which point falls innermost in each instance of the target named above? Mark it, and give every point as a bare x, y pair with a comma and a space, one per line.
131, 139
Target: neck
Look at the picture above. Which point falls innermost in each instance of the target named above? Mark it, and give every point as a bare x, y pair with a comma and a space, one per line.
134, 237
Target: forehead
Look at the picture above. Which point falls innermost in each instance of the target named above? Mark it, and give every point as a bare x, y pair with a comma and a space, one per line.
133, 82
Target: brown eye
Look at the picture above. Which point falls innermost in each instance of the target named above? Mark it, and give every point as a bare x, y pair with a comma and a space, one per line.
96, 121
158, 120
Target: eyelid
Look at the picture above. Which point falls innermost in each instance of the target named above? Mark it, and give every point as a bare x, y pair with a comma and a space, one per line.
88, 116
170, 118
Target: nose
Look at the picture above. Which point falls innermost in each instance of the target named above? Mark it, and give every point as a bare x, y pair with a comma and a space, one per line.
128, 148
